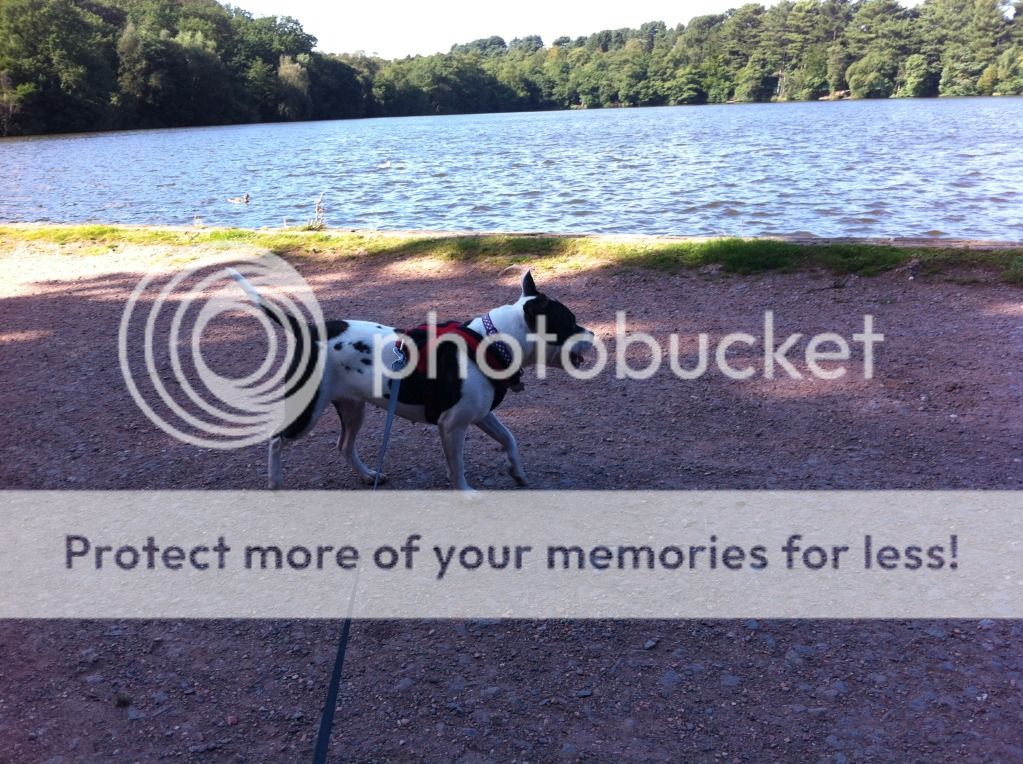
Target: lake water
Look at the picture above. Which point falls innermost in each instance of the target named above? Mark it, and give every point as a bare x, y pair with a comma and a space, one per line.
950, 167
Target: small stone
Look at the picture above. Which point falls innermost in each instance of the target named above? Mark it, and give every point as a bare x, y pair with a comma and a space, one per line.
585, 692
232, 720
134, 714
650, 644
730, 680
985, 624
403, 684
670, 679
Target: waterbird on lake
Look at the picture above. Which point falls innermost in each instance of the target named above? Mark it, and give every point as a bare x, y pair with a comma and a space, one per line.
239, 199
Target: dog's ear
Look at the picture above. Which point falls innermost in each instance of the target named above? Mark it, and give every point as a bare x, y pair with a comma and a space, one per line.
528, 286
535, 306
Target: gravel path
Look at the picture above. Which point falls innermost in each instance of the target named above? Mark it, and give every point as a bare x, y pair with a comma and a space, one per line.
943, 412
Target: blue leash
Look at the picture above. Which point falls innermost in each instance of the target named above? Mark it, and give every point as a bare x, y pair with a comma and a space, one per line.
334, 686
392, 407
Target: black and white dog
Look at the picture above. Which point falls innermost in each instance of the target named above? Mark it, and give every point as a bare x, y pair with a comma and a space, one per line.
357, 350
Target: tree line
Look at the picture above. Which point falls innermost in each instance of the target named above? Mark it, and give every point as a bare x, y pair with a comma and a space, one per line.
73, 65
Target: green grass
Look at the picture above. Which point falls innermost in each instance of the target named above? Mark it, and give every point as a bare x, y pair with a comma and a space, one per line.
740, 256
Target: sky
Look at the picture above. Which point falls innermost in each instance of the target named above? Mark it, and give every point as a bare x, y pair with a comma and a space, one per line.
398, 29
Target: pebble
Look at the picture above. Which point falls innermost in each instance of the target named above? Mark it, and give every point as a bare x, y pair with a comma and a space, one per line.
670, 679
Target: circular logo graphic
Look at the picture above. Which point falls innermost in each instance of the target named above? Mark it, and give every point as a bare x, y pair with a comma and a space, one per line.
185, 334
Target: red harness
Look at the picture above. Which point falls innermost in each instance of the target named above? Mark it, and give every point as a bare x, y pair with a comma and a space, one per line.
472, 342
438, 394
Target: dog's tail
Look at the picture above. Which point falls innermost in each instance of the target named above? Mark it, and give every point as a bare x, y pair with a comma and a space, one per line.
244, 284
278, 316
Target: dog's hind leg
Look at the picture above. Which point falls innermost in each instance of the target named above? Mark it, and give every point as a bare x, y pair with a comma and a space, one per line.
352, 414
495, 428
275, 470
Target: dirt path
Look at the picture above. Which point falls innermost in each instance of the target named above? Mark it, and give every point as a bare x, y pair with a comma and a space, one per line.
943, 412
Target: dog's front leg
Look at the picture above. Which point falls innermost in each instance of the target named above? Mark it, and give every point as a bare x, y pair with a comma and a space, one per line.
495, 428
452, 438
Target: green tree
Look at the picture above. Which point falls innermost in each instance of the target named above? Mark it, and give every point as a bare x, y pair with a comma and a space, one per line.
293, 90
1010, 71
59, 58
10, 104
873, 76
686, 88
86, 64
919, 78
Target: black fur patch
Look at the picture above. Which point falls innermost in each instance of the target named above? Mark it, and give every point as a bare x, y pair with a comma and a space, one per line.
335, 328
560, 321
362, 347
367, 362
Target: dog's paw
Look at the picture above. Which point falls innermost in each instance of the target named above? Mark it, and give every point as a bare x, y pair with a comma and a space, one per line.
518, 476
371, 477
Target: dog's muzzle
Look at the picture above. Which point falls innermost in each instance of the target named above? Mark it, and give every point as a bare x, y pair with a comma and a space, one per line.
579, 349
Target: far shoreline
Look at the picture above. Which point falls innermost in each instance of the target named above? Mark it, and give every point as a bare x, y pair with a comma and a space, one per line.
578, 109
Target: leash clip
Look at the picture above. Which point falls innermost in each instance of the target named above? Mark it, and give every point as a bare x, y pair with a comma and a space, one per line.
401, 358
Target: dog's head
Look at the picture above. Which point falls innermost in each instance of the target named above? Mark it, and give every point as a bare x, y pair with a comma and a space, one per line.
555, 319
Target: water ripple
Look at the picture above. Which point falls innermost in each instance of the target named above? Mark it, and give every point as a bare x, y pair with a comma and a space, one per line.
949, 168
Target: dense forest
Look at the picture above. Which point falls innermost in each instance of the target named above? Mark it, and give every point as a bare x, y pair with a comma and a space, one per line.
69, 65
